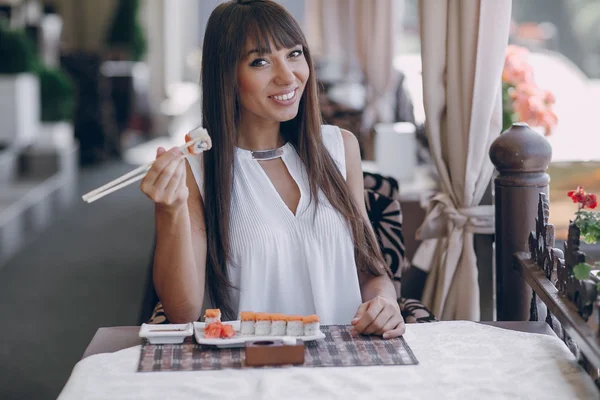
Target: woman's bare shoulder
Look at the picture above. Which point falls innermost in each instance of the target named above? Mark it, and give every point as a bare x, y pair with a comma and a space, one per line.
352, 154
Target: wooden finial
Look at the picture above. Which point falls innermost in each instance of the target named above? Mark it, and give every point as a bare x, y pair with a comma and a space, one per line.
520, 149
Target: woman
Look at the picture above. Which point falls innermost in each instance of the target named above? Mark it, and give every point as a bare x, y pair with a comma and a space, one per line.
272, 218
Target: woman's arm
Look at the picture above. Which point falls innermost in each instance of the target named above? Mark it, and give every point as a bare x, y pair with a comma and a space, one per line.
180, 253
379, 313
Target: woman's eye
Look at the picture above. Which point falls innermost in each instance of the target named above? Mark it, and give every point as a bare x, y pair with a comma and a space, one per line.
296, 53
259, 62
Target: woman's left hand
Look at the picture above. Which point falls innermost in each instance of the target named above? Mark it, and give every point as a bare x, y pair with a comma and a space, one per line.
379, 316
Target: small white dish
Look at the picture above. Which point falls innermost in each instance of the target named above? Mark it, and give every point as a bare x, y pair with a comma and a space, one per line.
240, 340
167, 333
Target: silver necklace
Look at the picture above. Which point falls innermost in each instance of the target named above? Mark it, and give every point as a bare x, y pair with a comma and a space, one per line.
267, 154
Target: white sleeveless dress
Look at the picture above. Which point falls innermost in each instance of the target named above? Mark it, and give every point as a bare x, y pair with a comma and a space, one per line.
286, 263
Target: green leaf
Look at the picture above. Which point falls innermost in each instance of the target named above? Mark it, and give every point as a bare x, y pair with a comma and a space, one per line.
582, 271
57, 95
17, 51
588, 223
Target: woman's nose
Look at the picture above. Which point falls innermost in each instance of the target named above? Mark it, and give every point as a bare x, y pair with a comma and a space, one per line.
284, 74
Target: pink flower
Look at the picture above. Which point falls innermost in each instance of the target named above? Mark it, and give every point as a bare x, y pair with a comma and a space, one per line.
533, 105
516, 68
549, 97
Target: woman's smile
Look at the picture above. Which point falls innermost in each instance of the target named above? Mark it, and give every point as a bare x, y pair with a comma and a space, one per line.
286, 98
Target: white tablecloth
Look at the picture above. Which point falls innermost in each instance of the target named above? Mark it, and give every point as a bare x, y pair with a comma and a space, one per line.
457, 360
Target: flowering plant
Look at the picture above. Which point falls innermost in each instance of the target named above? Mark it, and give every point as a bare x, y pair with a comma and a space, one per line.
522, 99
588, 223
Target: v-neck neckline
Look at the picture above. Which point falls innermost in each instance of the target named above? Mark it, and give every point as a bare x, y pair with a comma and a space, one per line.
287, 149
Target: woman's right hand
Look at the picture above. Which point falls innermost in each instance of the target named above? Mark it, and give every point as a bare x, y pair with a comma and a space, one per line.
165, 182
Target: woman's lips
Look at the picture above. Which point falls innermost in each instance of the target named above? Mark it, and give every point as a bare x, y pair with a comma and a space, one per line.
285, 99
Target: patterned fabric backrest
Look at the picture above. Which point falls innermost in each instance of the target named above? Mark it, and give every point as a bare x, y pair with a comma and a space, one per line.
384, 185
386, 218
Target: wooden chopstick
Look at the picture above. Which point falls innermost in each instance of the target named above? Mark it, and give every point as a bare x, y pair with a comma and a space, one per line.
129, 178
121, 185
141, 170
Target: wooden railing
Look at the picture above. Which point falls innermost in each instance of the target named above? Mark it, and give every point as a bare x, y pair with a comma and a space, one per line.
528, 266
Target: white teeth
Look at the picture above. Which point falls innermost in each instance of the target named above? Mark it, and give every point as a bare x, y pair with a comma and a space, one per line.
285, 96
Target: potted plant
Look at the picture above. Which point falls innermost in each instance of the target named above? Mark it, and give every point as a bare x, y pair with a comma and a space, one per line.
588, 222
19, 88
57, 104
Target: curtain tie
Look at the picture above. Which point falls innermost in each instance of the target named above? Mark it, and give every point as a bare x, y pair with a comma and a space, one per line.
442, 217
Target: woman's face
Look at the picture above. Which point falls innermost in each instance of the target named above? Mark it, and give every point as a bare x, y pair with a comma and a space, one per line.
271, 85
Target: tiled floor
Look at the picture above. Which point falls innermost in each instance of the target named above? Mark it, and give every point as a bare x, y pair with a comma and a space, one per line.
87, 270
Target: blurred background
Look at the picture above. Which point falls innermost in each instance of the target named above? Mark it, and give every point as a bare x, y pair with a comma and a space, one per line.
89, 90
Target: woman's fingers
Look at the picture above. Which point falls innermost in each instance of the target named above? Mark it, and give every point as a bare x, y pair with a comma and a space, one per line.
380, 316
161, 163
362, 309
160, 151
377, 325
165, 175
373, 308
390, 325
396, 332
169, 173
163, 159
176, 189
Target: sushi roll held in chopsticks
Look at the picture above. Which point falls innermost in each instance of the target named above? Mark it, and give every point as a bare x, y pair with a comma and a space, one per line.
212, 315
311, 325
263, 324
204, 143
197, 141
278, 324
247, 321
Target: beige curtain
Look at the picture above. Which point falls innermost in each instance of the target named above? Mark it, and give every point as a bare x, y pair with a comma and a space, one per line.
375, 49
359, 33
463, 43
328, 30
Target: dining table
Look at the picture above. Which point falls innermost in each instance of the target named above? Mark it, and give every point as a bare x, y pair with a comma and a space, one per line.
455, 360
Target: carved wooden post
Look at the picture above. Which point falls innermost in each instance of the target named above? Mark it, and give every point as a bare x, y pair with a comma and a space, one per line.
521, 157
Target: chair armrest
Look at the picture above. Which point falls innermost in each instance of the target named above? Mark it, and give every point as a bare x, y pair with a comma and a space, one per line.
415, 312
158, 315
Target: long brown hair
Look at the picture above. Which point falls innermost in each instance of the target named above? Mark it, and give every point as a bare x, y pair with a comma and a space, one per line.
229, 28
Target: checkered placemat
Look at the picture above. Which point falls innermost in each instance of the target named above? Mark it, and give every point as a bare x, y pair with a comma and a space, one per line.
338, 349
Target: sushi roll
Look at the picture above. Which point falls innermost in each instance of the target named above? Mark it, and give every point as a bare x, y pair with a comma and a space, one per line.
247, 323
278, 324
201, 139
311, 325
295, 325
262, 327
212, 315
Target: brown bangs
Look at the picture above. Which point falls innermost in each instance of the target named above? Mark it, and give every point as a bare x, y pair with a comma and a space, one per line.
269, 25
